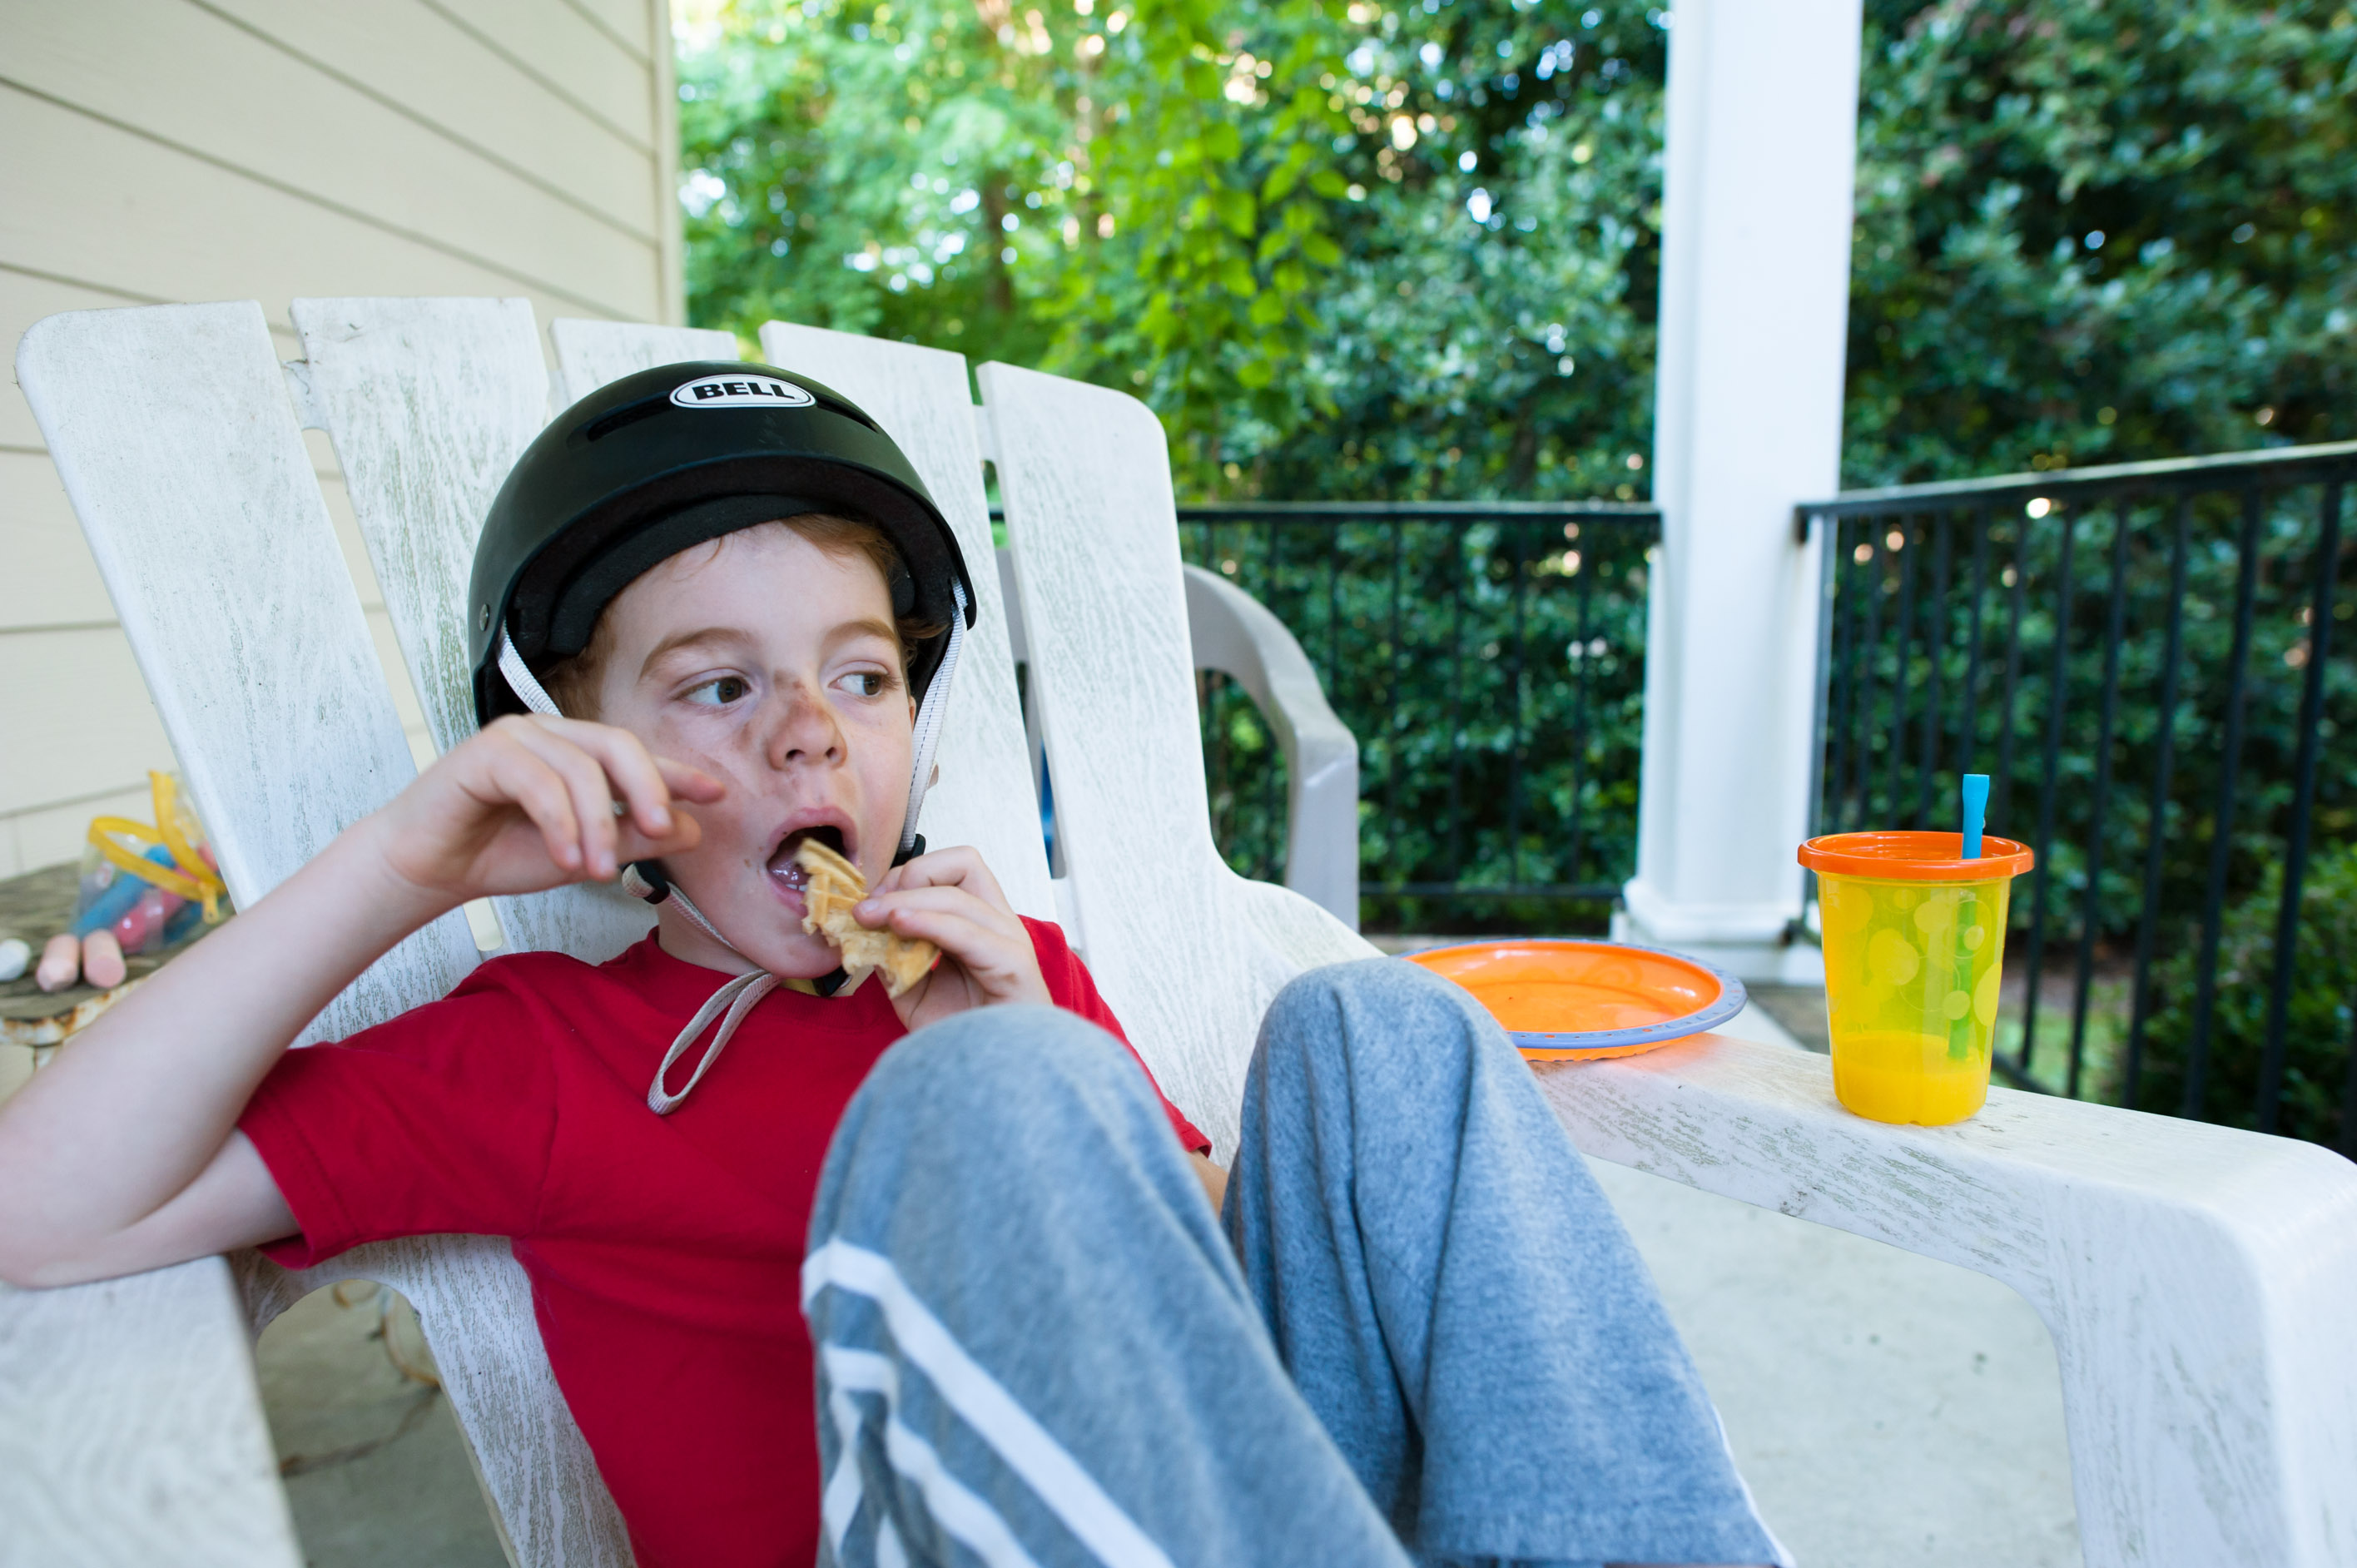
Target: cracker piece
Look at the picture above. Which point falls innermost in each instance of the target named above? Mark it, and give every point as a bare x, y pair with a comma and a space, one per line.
834, 887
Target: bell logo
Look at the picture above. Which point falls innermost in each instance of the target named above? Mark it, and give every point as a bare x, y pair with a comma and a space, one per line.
740, 392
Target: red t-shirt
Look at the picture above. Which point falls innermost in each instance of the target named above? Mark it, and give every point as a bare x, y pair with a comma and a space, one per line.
665, 1252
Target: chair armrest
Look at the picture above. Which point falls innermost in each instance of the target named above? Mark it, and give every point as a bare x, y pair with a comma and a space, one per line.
131, 1429
1290, 931
2198, 1281
1235, 634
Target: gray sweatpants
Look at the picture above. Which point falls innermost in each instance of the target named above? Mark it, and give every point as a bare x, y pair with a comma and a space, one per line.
1422, 1336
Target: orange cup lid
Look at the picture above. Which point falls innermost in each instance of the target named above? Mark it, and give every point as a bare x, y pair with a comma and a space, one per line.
1915, 857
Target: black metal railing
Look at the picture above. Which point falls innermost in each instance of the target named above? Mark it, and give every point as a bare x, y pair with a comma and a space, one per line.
1490, 658
2153, 662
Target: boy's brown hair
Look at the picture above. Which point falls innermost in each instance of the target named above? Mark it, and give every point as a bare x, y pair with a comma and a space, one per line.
573, 683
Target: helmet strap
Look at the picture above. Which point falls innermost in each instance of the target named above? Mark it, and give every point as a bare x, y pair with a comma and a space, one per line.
646, 879
930, 716
520, 680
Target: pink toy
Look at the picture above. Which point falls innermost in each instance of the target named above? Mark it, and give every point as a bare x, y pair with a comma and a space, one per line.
102, 960
140, 928
60, 963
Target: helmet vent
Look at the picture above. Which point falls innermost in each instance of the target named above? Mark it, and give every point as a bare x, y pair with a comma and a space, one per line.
630, 414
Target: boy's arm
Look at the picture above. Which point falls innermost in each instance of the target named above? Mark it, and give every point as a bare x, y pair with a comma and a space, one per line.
124, 1155
1214, 1180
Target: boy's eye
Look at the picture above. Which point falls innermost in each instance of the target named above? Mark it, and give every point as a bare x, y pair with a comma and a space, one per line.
865, 684
719, 692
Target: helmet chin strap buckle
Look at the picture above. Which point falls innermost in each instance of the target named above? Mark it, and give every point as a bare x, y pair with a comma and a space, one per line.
916, 846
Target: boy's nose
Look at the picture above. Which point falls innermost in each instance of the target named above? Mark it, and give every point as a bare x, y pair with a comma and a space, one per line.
806, 731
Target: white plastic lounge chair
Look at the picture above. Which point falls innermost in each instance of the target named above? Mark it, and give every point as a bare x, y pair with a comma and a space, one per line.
2197, 1280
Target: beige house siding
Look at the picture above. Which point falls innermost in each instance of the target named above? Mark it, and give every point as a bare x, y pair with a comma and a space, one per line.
167, 150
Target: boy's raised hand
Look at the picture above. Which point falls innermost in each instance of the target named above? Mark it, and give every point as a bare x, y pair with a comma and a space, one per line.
530, 803
950, 900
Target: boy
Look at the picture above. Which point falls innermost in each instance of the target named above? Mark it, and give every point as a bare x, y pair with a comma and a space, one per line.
732, 614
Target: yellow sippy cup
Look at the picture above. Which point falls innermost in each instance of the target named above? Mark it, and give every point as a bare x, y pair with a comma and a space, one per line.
1914, 939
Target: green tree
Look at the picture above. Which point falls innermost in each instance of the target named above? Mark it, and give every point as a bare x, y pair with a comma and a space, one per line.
899, 170
2318, 1015
2093, 233
1493, 321
1342, 250
1411, 250
1123, 190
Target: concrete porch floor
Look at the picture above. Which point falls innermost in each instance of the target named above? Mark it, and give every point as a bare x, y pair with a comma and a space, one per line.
1883, 1408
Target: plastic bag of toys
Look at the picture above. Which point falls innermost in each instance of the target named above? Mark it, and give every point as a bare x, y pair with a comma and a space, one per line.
141, 889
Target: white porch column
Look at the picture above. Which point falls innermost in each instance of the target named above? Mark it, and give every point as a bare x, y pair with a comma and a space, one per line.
1762, 139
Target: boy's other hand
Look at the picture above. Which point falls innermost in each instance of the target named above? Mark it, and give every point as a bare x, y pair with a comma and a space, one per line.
950, 900
530, 804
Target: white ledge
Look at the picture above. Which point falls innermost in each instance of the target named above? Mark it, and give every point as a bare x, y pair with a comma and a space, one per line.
2199, 1282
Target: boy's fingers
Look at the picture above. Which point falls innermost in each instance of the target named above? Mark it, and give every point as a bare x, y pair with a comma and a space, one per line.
690, 783
635, 779
960, 865
942, 868
633, 845
1004, 969
585, 782
967, 932
635, 776
879, 908
520, 775
977, 947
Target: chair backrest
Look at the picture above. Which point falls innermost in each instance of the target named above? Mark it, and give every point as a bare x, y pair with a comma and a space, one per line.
217, 547
1188, 952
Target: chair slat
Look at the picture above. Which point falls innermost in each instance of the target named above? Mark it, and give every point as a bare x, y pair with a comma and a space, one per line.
984, 797
429, 402
217, 548
591, 353
1188, 954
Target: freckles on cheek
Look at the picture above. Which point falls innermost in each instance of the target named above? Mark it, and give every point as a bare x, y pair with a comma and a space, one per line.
672, 743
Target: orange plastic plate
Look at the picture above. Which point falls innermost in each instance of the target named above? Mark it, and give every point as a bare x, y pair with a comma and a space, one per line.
1574, 1001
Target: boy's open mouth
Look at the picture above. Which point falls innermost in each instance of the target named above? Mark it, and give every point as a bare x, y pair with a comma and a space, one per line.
782, 866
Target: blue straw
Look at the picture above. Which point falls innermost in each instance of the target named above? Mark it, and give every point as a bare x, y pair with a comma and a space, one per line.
1976, 812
